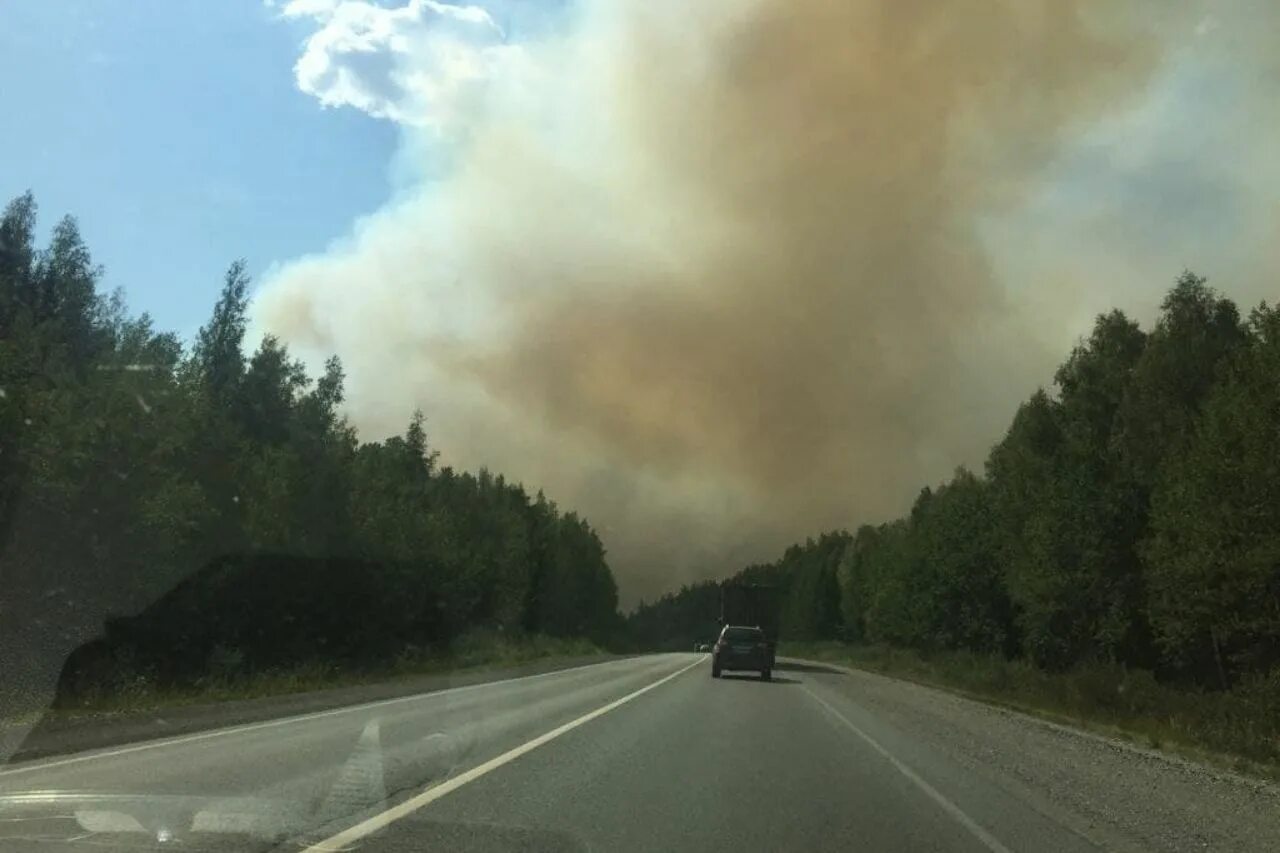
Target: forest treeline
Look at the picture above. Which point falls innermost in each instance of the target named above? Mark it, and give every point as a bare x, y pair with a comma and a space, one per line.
1130, 516
133, 467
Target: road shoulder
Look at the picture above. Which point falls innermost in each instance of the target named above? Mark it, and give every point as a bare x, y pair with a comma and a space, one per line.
1120, 795
60, 733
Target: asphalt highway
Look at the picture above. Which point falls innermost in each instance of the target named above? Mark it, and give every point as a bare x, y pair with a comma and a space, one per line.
646, 753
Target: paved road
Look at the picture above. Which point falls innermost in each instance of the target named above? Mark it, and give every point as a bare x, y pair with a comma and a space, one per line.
645, 753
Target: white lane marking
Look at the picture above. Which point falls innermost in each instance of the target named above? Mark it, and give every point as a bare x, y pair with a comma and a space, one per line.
934, 794
284, 721
409, 806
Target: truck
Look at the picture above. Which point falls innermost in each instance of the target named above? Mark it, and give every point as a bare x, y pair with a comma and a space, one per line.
751, 605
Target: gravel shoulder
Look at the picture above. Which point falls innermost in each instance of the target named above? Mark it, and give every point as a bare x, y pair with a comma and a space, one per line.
1117, 795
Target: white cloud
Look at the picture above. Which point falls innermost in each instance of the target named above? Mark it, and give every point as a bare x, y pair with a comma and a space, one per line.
424, 63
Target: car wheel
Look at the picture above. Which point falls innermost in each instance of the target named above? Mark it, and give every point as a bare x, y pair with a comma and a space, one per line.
766, 674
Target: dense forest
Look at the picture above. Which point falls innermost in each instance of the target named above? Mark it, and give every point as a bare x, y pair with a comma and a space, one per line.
134, 469
1129, 516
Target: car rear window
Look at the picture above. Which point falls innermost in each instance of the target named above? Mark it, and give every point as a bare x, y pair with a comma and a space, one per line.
743, 635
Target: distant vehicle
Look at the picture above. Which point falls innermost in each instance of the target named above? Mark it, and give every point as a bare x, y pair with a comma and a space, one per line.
702, 647
751, 604
742, 647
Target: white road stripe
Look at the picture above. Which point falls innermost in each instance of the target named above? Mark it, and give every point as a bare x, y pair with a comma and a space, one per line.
933, 793
285, 721
383, 819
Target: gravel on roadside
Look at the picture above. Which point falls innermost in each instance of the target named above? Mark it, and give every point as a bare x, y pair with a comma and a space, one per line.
1133, 798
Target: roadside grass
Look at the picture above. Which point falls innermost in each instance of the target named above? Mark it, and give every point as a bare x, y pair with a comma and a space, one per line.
472, 652
1238, 730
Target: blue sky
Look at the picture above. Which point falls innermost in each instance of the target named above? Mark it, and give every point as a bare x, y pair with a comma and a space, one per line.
174, 131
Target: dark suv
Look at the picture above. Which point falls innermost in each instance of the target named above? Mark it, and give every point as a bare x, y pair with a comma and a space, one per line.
740, 647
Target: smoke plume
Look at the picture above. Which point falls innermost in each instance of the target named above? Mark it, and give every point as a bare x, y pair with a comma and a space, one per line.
720, 274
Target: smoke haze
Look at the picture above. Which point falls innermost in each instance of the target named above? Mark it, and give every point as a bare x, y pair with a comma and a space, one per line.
720, 275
